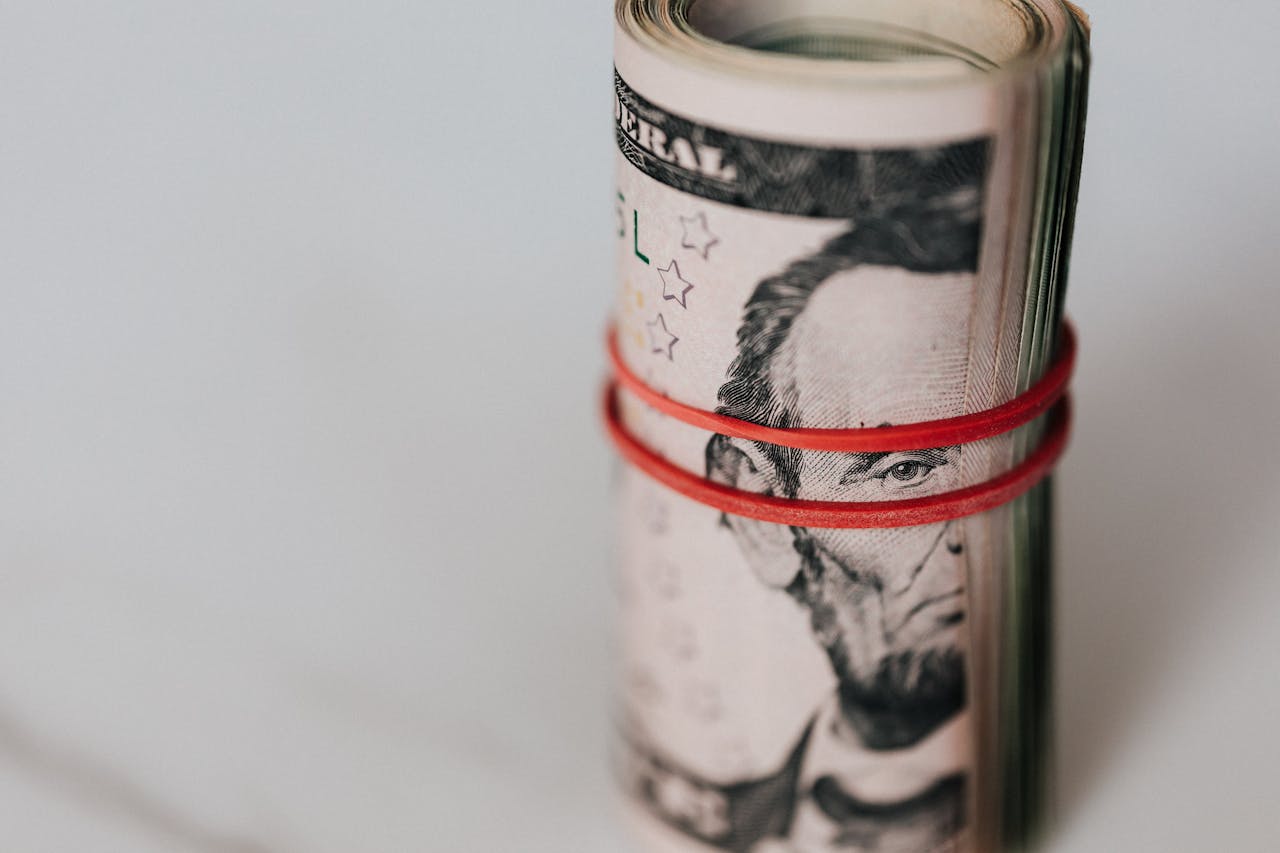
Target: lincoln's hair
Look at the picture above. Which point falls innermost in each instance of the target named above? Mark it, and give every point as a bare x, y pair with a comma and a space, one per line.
941, 235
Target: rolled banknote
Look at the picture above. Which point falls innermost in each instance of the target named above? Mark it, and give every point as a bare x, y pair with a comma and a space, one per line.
837, 215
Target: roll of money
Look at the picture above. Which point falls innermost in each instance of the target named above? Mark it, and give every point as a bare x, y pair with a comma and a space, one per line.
838, 215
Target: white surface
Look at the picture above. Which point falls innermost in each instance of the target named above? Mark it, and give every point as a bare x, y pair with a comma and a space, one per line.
303, 536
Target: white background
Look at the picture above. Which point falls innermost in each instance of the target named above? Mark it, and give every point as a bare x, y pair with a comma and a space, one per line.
303, 503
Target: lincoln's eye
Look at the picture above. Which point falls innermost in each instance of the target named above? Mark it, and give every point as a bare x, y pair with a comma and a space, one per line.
906, 472
897, 472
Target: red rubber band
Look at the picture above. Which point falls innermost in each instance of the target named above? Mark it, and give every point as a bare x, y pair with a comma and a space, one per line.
837, 514
1019, 411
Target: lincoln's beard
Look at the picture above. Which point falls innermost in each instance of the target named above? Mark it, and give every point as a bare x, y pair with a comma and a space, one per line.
907, 695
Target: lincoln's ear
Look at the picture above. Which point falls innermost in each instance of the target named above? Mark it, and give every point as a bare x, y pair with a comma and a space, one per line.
769, 548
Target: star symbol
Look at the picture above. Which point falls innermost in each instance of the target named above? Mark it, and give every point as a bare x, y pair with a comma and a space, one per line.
661, 340
680, 639
674, 286
703, 700
696, 234
633, 298
666, 577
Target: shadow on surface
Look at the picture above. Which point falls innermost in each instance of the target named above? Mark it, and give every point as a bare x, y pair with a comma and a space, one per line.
1166, 487
106, 790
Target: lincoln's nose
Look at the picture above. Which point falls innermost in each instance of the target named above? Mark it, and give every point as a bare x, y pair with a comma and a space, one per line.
931, 581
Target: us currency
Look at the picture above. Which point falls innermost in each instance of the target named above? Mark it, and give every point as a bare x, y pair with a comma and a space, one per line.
838, 214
